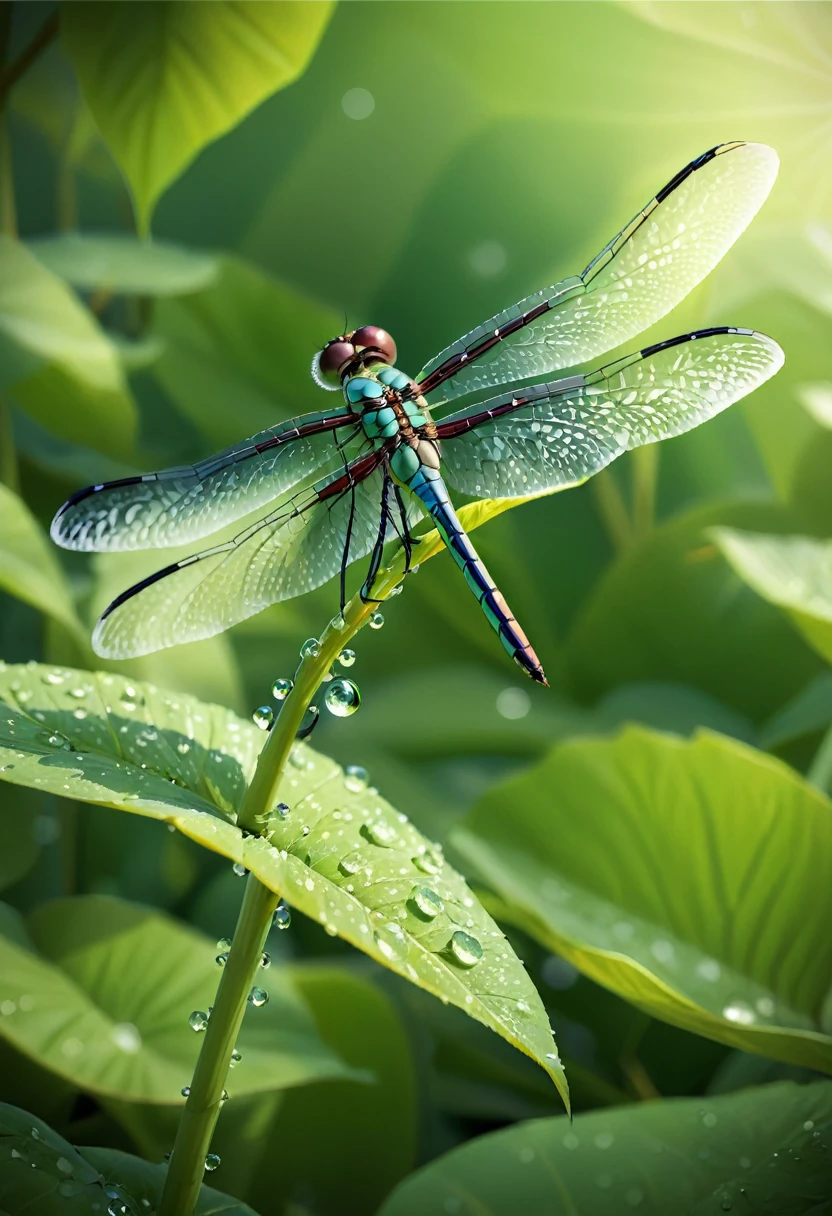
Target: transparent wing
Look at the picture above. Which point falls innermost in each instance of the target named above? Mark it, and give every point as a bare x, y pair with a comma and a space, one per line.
661, 255
289, 552
550, 436
180, 505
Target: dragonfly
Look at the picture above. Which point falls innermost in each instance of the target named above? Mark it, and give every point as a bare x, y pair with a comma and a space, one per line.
326, 489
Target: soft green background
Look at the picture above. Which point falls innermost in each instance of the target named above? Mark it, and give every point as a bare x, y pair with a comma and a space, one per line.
493, 148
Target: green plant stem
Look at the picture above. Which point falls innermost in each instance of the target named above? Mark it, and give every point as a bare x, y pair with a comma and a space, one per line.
12, 72
820, 770
8, 455
199, 1117
610, 506
8, 211
645, 475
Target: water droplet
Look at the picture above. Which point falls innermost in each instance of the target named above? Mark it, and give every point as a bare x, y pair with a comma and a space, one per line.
350, 864
391, 595
709, 1119
465, 949
224, 943
183, 748
212, 1161
198, 1020
282, 809
308, 722
347, 657
54, 677
355, 778
305, 830
376, 620
265, 960
263, 716
740, 1012
379, 833
429, 862
239, 869
338, 622
221, 959
224, 1096
78, 693
258, 997
281, 689
310, 649
391, 942
282, 918
185, 1091
80, 714
342, 698
427, 901
236, 1056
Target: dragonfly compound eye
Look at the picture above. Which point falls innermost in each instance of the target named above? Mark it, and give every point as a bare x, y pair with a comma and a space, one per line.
328, 363
376, 339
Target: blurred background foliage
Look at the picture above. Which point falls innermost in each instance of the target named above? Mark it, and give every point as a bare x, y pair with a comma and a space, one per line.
420, 166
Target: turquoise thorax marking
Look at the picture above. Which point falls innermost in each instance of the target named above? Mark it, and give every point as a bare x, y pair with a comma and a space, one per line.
378, 418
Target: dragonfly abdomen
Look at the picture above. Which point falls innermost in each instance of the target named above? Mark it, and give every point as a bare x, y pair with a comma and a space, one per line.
429, 487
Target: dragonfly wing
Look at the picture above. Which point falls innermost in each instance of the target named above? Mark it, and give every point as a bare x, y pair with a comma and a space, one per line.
180, 505
550, 436
293, 550
661, 255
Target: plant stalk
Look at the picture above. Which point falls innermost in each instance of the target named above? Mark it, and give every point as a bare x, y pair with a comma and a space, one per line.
12, 72
645, 475
8, 455
196, 1127
609, 503
820, 770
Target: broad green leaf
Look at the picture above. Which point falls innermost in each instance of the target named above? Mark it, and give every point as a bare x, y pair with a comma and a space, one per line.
793, 572
671, 707
791, 257
361, 869
650, 864
18, 832
809, 712
164, 80
817, 400
123, 264
101, 995
81, 389
238, 353
29, 568
762, 1150
670, 609
325, 1134
41, 1174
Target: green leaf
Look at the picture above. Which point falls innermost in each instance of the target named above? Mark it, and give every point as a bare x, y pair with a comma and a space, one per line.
101, 739
761, 1151
325, 1133
817, 400
81, 389
237, 354
793, 572
121, 263
101, 995
807, 714
41, 1174
671, 610
29, 568
671, 905
18, 833
164, 81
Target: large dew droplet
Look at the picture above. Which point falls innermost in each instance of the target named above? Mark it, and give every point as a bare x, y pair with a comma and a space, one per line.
465, 949
429, 862
258, 997
283, 810
212, 1162
198, 1020
310, 649
308, 722
427, 902
281, 689
282, 918
377, 620
342, 698
355, 778
263, 716
347, 657
391, 942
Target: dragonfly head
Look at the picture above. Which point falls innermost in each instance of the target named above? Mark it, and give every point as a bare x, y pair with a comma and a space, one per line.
341, 355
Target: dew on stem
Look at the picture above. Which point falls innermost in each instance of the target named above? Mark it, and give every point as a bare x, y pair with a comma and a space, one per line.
281, 689
343, 697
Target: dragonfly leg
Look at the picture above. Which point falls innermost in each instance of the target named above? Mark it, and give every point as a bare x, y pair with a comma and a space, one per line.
405, 535
378, 547
345, 560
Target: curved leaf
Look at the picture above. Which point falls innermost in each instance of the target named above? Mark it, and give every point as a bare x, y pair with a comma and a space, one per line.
81, 387
121, 263
793, 572
41, 1174
162, 81
762, 1150
28, 566
342, 855
703, 897
99, 991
